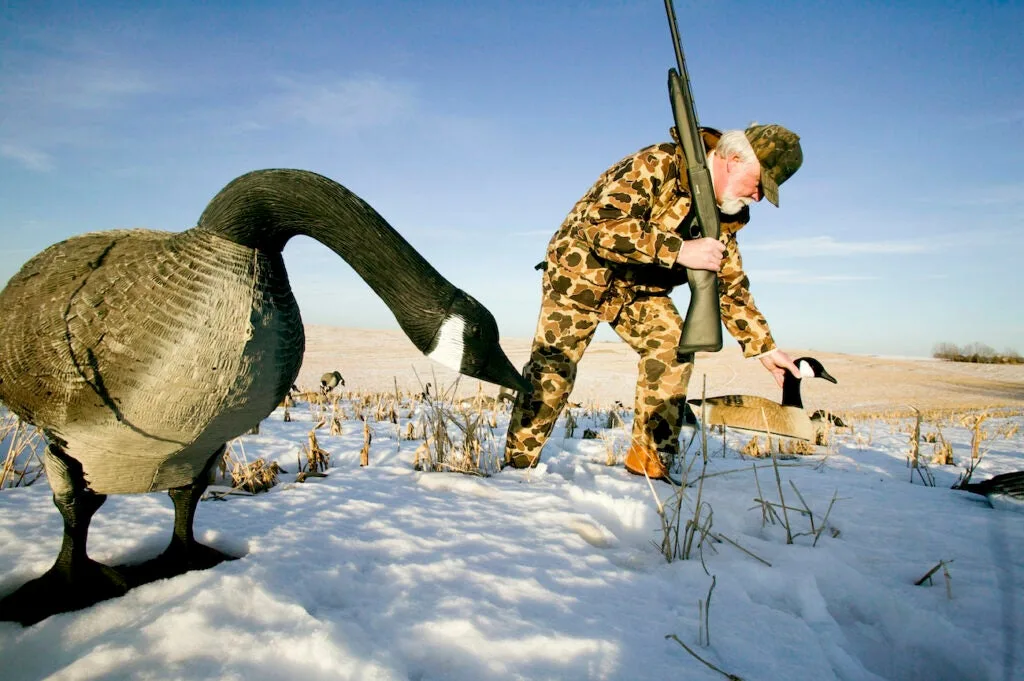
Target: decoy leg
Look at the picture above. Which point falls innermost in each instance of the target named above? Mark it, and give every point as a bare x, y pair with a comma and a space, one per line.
184, 553
75, 581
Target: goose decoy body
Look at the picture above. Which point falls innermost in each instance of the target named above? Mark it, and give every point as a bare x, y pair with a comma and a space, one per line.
331, 380
823, 415
1002, 491
140, 354
759, 414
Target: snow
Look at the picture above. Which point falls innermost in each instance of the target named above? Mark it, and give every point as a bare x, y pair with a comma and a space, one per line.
385, 572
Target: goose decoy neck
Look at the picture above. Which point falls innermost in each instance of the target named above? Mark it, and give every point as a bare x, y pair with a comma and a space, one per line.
809, 368
265, 208
791, 391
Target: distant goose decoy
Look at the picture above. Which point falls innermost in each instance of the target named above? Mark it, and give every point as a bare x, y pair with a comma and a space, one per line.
753, 413
140, 354
330, 381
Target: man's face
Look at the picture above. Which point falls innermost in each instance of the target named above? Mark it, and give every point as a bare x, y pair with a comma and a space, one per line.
741, 185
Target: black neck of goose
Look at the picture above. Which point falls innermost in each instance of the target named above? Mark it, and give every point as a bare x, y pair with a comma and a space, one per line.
264, 209
791, 391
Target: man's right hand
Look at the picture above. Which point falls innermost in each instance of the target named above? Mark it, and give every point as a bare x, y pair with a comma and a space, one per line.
702, 254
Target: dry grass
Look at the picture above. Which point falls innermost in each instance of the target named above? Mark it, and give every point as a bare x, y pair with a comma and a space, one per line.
770, 512
252, 477
458, 435
762, 447
570, 424
677, 539
23, 447
364, 454
974, 423
927, 578
317, 459
613, 454
686, 531
978, 422
943, 451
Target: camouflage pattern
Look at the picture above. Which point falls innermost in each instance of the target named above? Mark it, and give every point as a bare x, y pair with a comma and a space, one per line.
651, 326
613, 260
622, 238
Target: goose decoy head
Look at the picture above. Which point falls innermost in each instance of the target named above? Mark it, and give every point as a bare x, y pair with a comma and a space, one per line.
809, 368
467, 342
812, 368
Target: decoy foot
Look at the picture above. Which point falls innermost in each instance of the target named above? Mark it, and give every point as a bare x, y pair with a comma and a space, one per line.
176, 559
184, 553
62, 590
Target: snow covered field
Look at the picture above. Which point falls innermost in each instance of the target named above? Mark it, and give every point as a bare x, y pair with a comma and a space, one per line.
385, 572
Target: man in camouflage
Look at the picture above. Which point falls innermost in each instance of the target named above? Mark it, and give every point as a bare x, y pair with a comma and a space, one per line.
617, 257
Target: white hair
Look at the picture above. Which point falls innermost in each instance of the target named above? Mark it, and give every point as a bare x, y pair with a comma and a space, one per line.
735, 143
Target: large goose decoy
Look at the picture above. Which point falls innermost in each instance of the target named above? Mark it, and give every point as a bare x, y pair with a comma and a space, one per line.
753, 413
1002, 491
140, 354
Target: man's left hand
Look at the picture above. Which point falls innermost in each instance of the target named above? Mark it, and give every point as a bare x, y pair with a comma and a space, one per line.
778, 363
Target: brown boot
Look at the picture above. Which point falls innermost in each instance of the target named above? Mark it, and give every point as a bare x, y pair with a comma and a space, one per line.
640, 460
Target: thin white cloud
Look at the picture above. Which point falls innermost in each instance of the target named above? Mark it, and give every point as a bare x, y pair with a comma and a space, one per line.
533, 233
828, 246
992, 196
71, 100
341, 105
802, 277
33, 159
72, 83
989, 119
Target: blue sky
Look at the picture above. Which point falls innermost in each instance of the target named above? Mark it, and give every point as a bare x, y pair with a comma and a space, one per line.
473, 127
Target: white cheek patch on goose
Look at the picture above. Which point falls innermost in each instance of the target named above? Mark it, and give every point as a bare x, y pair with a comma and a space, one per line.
805, 370
449, 348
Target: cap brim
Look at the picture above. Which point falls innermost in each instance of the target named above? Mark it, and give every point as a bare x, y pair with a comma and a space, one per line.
769, 188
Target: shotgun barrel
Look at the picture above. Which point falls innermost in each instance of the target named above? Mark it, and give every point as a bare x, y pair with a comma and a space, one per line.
702, 328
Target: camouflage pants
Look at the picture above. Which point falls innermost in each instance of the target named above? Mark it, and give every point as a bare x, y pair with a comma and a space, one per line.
651, 326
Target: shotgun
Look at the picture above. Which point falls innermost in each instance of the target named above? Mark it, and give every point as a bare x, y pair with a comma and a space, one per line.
702, 327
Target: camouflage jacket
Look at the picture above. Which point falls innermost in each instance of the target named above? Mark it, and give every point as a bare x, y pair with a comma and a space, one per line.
620, 242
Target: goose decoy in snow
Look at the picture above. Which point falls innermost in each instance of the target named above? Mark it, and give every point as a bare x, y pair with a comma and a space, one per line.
139, 354
330, 381
1002, 491
759, 414
822, 415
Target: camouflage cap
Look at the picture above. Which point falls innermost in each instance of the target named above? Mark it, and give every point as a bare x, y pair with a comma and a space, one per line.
778, 150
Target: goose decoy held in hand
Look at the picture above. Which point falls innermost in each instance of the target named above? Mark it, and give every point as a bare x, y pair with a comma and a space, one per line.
139, 354
1002, 491
750, 412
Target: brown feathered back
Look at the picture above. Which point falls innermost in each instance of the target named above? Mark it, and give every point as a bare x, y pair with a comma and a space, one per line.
142, 351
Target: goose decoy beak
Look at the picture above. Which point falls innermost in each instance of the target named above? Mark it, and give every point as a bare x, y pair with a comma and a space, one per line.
499, 369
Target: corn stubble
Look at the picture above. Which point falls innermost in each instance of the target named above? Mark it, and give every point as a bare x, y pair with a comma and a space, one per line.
23, 447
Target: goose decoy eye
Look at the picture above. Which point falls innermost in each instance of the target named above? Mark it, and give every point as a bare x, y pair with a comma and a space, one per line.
473, 331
